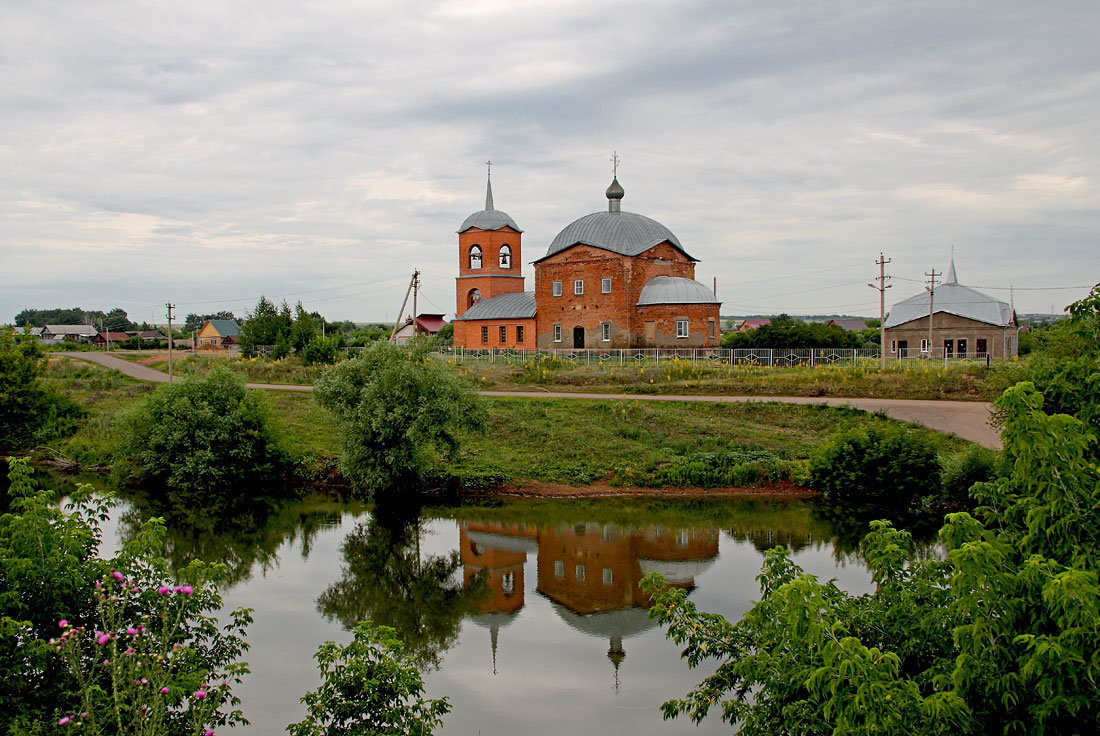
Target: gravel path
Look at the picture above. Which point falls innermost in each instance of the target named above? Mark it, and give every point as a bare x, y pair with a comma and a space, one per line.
967, 419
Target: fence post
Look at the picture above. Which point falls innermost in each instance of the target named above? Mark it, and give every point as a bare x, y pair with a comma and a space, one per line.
657, 353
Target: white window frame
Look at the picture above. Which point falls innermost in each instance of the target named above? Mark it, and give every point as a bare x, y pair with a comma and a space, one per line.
556, 287
578, 287
893, 346
605, 286
557, 333
579, 573
683, 328
924, 345
605, 331
559, 570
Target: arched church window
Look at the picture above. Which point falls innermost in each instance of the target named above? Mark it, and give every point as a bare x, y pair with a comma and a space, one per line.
505, 256
473, 298
475, 257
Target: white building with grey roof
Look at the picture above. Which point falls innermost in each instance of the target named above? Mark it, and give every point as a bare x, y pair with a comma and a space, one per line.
965, 323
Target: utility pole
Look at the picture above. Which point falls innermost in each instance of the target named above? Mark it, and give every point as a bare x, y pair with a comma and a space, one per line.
416, 290
882, 287
931, 289
400, 314
170, 306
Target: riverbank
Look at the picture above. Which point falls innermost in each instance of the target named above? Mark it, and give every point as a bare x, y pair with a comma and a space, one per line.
559, 448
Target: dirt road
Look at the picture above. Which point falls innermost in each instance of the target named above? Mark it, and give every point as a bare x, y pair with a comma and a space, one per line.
967, 419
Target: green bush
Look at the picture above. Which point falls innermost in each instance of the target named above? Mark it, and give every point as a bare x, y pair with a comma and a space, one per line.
884, 466
320, 350
975, 465
205, 439
371, 686
30, 413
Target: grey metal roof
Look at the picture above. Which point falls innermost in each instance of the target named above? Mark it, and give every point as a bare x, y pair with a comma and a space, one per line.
627, 233
513, 305
675, 290
489, 218
952, 298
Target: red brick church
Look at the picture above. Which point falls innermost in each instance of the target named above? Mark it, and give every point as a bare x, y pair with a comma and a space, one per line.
609, 280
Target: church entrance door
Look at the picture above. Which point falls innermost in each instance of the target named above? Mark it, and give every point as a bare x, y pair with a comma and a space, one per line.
578, 337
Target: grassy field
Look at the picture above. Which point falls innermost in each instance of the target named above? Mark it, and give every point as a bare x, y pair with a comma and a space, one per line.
570, 442
911, 380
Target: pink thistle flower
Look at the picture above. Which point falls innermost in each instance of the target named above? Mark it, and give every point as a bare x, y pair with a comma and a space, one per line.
98, 584
63, 721
62, 623
51, 641
144, 681
200, 694
209, 732
187, 590
105, 663
117, 574
103, 639
164, 691
164, 590
130, 652
131, 631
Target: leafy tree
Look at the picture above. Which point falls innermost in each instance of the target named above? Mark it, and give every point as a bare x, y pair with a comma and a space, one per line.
386, 578
196, 321
369, 688
204, 439
304, 330
446, 334
789, 332
399, 408
29, 412
265, 325
999, 637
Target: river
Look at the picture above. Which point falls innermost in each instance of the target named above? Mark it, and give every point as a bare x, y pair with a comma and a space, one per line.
527, 616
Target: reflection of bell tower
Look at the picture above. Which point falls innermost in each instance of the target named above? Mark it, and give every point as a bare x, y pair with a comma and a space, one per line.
489, 256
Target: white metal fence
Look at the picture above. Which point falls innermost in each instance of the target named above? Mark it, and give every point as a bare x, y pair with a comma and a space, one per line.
714, 356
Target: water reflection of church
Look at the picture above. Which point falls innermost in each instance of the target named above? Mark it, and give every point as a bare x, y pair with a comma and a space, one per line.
589, 572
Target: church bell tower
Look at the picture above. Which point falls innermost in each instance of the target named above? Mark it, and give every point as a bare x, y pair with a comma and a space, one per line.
489, 255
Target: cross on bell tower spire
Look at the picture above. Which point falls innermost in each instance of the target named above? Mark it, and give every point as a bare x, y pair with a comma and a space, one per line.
615, 164
489, 186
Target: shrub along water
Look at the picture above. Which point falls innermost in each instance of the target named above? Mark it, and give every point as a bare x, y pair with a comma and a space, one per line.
205, 439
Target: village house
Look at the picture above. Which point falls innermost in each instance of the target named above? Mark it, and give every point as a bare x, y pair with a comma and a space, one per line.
609, 280
110, 338
426, 324
965, 323
753, 323
218, 334
848, 325
76, 333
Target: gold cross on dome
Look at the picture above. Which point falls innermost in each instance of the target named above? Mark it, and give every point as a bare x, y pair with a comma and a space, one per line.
490, 165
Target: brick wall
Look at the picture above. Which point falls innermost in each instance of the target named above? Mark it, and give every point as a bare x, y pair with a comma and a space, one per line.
656, 326
468, 333
490, 279
590, 310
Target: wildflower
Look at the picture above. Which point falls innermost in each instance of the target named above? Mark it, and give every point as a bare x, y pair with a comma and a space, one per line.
164, 691
102, 638
62, 623
117, 574
209, 732
187, 590
63, 721
164, 590
200, 694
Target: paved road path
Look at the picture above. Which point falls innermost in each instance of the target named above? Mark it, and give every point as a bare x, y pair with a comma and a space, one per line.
967, 419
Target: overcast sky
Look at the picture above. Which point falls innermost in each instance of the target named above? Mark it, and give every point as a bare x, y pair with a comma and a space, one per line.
210, 151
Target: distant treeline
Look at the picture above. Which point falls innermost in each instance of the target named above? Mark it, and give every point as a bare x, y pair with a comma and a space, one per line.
791, 332
116, 319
